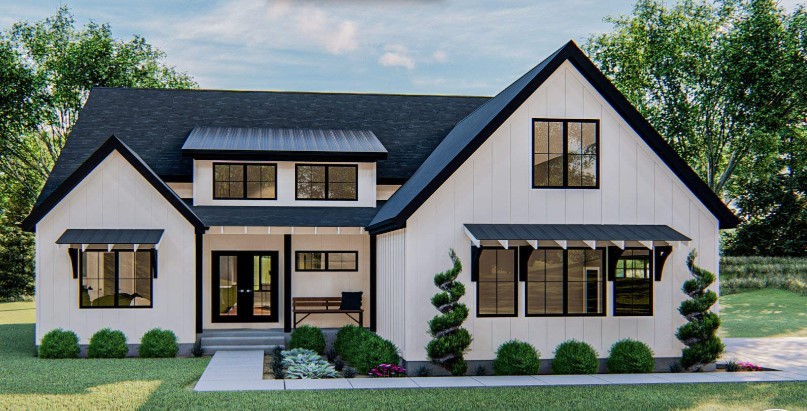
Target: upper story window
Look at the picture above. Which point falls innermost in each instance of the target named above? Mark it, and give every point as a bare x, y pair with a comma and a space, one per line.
244, 181
327, 182
566, 153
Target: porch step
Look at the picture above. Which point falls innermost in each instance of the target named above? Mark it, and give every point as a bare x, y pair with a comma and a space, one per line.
242, 339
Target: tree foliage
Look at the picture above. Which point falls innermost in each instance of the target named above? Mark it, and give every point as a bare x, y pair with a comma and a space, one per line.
450, 340
47, 69
720, 80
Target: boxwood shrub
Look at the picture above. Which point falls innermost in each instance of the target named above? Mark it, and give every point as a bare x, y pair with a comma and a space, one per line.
363, 349
630, 356
158, 343
516, 358
308, 337
108, 343
59, 343
575, 357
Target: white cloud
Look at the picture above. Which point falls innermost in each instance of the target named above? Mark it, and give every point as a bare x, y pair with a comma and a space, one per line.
396, 56
338, 37
440, 56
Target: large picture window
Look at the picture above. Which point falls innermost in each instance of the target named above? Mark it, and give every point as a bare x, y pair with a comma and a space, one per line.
496, 286
116, 279
327, 261
244, 181
565, 153
327, 182
633, 284
565, 282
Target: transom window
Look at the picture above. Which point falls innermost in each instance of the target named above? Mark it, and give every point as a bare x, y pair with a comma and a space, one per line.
327, 182
565, 282
565, 153
496, 287
244, 181
116, 279
327, 261
633, 284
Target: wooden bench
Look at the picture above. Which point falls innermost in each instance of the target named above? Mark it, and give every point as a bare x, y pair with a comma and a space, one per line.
322, 305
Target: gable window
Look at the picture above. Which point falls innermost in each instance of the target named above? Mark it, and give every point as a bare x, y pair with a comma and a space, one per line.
633, 285
565, 282
496, 284
244, 181
116, 279
327, 261
327, 182
565, 153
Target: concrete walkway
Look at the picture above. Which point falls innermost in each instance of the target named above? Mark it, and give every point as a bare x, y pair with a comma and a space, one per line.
243, 371
778, 353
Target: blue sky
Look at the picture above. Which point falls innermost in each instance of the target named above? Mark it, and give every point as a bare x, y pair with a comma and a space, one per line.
467, 47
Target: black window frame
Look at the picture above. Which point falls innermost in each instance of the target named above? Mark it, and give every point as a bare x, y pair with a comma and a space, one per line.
650, 279
355, 167
244, 167
565, 185
603, 292
326, 261
515, 283
153, 270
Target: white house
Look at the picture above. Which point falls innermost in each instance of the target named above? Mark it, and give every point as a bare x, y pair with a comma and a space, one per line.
207, 211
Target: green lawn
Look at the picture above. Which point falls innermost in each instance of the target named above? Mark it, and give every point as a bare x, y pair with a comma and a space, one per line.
27, 382
763, 313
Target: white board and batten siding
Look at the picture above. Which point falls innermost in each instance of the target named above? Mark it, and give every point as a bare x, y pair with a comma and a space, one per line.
494, 186
391, 287
114, 195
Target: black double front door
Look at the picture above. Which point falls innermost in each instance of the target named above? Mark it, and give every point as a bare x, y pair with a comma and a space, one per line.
245, 286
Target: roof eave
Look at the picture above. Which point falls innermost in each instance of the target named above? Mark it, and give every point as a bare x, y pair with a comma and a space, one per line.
259, 155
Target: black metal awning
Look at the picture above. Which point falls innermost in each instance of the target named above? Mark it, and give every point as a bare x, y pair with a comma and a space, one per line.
572, 232
110, 236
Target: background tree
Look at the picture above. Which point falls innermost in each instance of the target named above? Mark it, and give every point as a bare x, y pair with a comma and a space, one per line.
450, 339
47, 69
699, 334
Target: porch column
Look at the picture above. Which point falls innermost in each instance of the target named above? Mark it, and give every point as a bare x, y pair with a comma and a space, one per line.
199, 279
287, 283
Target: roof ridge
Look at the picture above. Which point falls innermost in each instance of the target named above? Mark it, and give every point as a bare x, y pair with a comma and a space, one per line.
338, 93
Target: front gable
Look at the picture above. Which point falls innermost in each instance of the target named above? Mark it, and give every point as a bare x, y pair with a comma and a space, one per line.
470, 134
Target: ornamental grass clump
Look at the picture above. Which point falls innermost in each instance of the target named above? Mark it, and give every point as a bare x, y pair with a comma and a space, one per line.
108, 343
516, 358
59, 343
630, 357
575, 357
699, 334
450, 340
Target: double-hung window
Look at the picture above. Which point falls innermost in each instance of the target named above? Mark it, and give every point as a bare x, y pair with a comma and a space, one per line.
633, 284
565, 153
116, 279
244, 181
327, 182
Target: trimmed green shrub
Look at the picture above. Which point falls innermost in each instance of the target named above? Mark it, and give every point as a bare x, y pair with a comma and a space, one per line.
308, 337
158, 343
363, 349
516, 358
59, 343
699, 334
575, 357
108, 343
630, 356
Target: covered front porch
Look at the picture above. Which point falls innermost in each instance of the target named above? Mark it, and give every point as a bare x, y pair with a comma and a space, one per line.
250, 276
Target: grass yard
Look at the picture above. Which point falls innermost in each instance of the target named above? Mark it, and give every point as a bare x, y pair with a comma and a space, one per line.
27, 382
763, 313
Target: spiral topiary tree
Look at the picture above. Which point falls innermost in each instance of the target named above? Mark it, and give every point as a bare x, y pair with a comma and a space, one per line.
450, 339
699, 334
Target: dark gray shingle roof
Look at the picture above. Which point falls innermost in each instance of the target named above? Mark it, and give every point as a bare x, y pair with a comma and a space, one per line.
110, 236
223, 141
575, 232
155, 123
